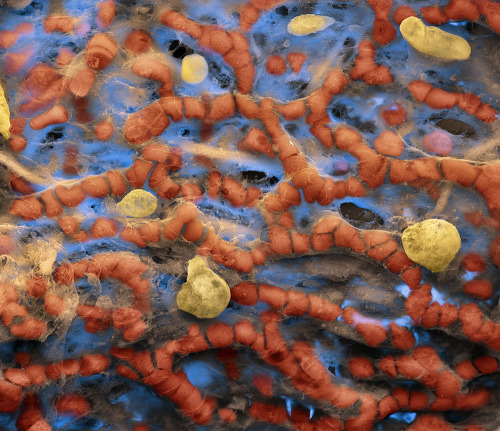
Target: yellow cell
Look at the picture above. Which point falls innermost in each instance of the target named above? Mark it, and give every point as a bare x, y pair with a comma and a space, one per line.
432, 243
4, 115
204, 294
138, 203
194, 69
307, 24
434, 41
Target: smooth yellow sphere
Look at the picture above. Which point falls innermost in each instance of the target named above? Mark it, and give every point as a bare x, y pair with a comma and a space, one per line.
204, 294
308, 23
138, 203
432, 243
194, 69
4, 115
434, 41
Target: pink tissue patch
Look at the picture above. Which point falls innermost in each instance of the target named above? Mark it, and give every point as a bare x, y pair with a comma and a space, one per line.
439, 142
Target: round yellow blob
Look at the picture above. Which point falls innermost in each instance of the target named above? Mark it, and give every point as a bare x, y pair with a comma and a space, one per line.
138, 203
432, 243
204, 294
303, 25
434, 41
194, 69
4, 115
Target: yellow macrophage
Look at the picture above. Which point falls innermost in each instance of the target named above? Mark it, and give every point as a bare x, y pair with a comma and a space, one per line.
204, 294
4, 115
432, 243
434, 41
308, 23
194, 69
138, 203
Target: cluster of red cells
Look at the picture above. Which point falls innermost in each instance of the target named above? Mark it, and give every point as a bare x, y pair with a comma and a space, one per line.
441, 386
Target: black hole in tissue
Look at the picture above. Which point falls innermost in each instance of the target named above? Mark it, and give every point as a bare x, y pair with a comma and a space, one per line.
339, 6
223, 80
471, 26
184, 132
253, 176
180, 52
173, 45
456, 127
273, 180
360, 217
366, 126
339, 111
260, 39
331, 369
54, 135
282, 10
291, 128
349, 42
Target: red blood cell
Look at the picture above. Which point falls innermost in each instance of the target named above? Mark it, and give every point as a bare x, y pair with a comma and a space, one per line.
101, 50
466, 370
249, 15
264, 384
29, 329
17, 143
104, 130
54, 304
61, 23
418, 400
70, 197
486, 364
72, 404
481, 289
82, 82
137, 41
191, 192
387, 406
55, 115
471, 317
447, 385
372, 333
361, 368
430, 422
96, 186
296, 60
10, 397
17, 376
401, 337
430, 318
65, 56
268, 412
93, 364
472, 400
106, 13
403, 12
244, 293
103, 228
433, 15
138, 173
244, 333
417, 302
388, 366
409, 367
220, 335
275, 65
494, 251
134, 331
227, 415
8, 38
473, 262
389, 144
